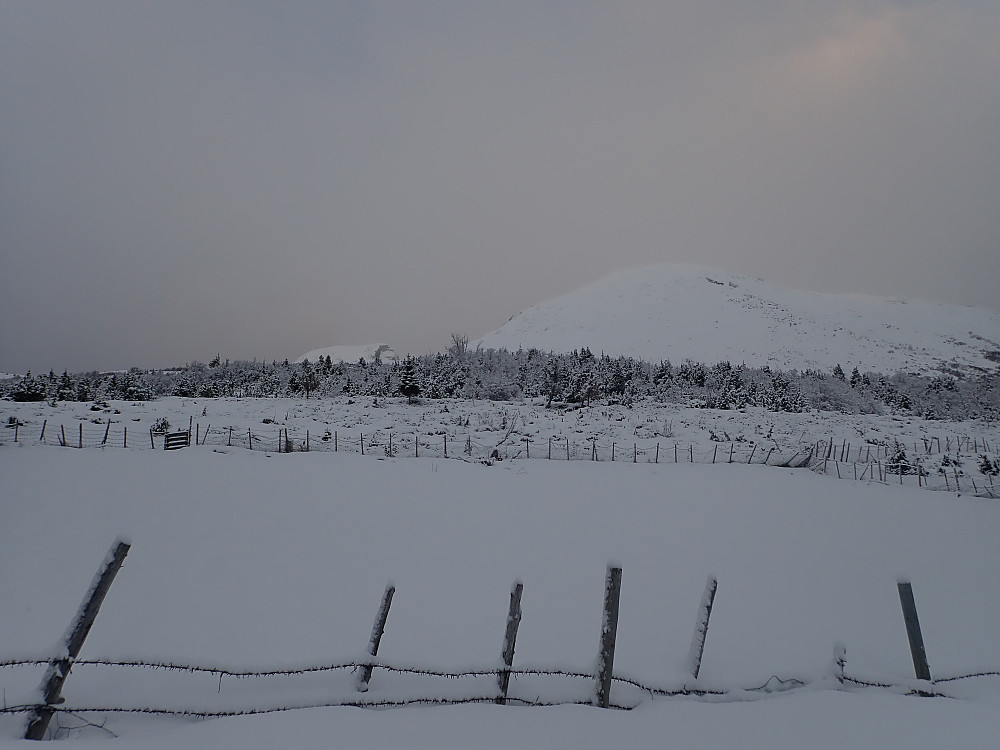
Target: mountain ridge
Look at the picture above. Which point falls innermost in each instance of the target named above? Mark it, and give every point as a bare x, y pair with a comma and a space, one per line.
678, 311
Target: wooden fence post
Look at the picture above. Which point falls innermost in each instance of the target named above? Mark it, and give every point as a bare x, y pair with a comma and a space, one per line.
612, 452
42, 436
656, 459
17, 422
125, 439
609, 635
509, 638
550, 448
58, 669
752, 451
80, 444
446, 445
106, 431
917, 652
839, 659
697, 649
151, 444
378, 629
250, 437
62, 435
567, 449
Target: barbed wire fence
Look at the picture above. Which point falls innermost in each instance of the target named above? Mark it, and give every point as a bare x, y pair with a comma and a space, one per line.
469, 686
930, 463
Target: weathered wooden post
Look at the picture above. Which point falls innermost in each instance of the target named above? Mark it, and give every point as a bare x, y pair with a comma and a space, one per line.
80, 444
151, 443
250, 437
106, 431
58, 669
125, 438
839, 661
17, 422
42, 436
509, 639
609, 635
378, 629
917, 652
697, 649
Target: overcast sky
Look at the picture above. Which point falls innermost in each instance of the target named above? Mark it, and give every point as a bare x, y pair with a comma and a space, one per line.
263, 178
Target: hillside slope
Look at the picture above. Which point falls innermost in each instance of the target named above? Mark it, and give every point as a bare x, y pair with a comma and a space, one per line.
678, 311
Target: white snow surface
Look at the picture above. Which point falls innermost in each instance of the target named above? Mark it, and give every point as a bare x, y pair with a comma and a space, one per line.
252, 559
352, 354
678, 311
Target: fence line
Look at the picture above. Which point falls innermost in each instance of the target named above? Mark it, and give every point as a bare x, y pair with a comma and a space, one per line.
62, 663
688, 688
864, 462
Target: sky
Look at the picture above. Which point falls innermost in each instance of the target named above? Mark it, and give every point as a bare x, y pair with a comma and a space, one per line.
258, 179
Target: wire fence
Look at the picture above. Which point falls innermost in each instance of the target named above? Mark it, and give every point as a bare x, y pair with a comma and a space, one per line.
467, 687
930, 463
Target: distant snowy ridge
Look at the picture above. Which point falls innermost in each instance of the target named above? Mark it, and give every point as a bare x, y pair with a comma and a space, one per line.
352, 354
680, 311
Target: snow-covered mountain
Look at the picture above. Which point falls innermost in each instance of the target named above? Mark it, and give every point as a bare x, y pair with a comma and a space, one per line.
352, 354
678, 311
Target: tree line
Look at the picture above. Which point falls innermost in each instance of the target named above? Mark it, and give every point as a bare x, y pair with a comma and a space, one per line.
577, 378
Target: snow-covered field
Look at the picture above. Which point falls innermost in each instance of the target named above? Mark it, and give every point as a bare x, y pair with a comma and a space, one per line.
249, 559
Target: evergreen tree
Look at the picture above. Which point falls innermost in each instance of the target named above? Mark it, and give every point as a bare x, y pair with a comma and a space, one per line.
408, 385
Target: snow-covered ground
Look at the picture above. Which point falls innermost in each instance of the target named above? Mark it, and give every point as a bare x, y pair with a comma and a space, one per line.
473, 430
676, 310
247, 560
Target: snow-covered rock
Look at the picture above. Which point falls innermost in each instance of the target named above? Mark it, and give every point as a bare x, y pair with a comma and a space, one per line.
352, 354
678, 311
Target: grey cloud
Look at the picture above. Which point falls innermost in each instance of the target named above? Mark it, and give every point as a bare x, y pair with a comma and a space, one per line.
185, 178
